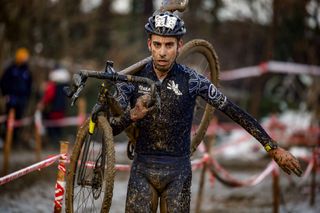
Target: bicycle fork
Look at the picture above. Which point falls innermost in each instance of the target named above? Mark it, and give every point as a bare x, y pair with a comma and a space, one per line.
99, 161
99, 164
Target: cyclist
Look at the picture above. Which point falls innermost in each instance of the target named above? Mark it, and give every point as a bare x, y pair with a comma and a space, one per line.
161, 169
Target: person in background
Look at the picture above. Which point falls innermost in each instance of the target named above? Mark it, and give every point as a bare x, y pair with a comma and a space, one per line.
53, 103
16, 86
161, 170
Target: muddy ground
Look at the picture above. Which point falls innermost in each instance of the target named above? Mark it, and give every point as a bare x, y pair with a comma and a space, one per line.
34, 192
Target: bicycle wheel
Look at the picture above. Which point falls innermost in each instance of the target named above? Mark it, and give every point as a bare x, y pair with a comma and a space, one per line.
200, 55
94, 193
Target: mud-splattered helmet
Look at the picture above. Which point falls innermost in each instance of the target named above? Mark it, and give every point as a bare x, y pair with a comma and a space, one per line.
165, 24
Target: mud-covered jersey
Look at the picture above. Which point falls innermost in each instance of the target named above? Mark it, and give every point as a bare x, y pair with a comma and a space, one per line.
167, 132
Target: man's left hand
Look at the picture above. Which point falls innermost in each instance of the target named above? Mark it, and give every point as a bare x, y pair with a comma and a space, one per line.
286, 161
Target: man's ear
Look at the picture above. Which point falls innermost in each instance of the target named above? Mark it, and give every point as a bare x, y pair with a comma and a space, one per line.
149, 44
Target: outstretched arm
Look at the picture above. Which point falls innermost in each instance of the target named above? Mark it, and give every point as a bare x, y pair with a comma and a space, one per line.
200, 85
283, 158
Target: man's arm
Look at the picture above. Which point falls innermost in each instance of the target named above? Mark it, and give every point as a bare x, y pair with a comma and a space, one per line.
136, 113
214, 97
283, 158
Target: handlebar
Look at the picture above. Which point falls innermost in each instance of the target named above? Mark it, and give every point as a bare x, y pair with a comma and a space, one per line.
79, 80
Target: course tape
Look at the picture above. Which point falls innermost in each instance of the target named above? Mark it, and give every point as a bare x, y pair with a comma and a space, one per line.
68, 121
59, 193
215, 169
29, 169
270, 66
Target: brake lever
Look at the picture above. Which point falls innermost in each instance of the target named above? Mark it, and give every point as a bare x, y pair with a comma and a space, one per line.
76, 94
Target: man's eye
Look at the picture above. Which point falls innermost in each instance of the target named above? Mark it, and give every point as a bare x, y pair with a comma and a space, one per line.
170, 45
156, 45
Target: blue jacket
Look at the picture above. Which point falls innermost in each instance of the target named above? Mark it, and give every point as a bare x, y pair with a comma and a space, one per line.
16, 83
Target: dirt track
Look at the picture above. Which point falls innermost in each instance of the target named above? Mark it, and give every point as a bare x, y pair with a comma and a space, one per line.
35, 192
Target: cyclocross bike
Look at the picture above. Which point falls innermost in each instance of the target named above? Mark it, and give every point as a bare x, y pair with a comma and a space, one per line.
91, 171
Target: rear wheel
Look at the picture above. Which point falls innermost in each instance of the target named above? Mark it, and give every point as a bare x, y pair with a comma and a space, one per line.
199, 55
93, 192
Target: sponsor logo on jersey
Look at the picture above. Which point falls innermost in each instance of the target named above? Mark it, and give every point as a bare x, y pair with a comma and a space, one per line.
174, 87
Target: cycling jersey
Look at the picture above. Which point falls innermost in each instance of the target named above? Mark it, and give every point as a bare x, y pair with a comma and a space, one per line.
161, 166
167, 132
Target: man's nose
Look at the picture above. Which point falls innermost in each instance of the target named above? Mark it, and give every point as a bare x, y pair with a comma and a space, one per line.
162, 52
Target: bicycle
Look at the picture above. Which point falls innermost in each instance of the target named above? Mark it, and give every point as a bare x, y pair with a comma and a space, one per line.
92, 163
98, 185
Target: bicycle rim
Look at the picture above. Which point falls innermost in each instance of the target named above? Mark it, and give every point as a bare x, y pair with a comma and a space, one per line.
199, 55
95, 193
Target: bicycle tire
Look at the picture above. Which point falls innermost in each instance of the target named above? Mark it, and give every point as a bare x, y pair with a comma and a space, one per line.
204, 48
107, 177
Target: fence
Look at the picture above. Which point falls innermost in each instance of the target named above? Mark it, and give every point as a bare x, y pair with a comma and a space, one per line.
38, 124
206, 163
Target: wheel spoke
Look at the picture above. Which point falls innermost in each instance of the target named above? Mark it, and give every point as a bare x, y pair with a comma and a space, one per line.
90, 194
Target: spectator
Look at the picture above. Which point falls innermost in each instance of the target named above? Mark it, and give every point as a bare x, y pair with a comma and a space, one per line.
16, 85
53, 102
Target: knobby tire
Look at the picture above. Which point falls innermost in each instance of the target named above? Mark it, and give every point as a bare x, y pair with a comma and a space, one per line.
109, 171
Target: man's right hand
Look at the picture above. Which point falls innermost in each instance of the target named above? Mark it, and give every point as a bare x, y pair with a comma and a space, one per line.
140, 109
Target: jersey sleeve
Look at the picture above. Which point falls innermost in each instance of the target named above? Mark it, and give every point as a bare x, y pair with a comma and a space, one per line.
125, 93
201, 86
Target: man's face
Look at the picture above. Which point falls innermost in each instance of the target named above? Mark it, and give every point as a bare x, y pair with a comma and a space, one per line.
164, 50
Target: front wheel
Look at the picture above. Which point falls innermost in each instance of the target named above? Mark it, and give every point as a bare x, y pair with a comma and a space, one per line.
90, 178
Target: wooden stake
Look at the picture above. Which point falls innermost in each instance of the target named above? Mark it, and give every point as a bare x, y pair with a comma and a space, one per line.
60, 184
8, 142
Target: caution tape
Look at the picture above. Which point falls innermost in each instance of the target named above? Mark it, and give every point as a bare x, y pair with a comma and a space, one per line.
29, 169
270, 66
68, 121
59, 193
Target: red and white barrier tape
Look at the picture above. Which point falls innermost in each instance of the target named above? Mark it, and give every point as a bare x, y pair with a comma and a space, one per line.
270, 66
69, 121
60, 184
37, 166
59, 193
196, 164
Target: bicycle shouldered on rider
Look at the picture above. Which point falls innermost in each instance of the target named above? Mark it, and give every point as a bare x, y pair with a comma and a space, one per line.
161, 169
